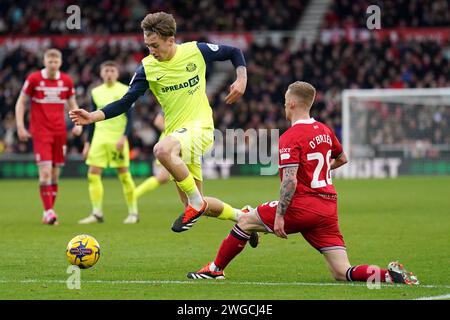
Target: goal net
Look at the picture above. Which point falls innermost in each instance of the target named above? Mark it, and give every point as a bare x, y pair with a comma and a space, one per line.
391, 132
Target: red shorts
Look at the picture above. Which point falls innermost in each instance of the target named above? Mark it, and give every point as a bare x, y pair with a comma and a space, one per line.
314, 217
50, 148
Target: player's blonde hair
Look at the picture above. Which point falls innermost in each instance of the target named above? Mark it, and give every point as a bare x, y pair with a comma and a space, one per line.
161, 23
304, 91
53, 53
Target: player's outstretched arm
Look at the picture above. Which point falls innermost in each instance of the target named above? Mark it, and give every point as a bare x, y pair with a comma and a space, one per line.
287, 190
22, 132
82, 117
214, 52
237, 89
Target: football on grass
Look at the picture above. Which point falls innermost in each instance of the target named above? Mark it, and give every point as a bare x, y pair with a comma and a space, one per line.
83, 251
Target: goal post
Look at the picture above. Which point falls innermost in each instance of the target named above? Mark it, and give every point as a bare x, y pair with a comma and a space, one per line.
391, 132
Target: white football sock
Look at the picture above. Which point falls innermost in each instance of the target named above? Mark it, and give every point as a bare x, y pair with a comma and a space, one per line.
196, 200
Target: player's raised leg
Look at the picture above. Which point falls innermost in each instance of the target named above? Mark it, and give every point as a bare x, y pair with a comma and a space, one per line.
179, 224
168, 152
183, 198
231, 246
341, 270
128, 188
162, 175
95, 186
221, 210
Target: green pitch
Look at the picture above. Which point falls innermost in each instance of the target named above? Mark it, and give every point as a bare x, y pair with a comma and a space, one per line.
382, 220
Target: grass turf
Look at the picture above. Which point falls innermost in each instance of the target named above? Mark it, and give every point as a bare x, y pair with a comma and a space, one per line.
381, 220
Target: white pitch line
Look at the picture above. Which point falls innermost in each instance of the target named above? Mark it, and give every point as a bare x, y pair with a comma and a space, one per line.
221, 282
445, 296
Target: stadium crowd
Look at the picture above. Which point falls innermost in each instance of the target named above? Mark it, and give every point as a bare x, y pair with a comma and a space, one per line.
124, 16
395, 13
394, 124
330, 67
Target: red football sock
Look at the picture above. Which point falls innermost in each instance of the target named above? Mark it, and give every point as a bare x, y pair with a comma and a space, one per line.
46, 196
54, 193
364, 272
231, 247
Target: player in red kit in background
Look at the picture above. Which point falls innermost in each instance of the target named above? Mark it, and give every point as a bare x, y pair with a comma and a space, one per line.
308, 151
49, 89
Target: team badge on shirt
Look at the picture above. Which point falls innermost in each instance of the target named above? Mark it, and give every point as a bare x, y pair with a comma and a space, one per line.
191, 67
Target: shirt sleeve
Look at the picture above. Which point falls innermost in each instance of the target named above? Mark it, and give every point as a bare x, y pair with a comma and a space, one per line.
28, 86
213, 52
138, 86
129, 115
289, 155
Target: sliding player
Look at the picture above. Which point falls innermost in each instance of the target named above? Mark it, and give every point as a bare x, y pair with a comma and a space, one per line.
308, 151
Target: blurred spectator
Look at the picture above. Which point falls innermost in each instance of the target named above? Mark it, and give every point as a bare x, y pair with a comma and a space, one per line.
394, 13
124, 16
391, 123
329, 67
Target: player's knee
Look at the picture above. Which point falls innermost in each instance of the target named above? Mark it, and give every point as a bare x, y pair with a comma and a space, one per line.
245, 222
45, 175
161, 151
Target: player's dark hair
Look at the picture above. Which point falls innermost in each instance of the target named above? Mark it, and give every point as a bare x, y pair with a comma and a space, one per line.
161, 23
109, 63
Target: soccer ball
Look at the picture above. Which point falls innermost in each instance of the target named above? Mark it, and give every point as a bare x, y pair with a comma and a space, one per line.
83, 251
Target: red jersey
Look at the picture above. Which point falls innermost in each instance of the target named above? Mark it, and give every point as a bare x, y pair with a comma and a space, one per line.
48, 98
310, 145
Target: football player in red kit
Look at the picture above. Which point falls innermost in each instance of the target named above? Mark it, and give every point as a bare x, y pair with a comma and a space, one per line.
48, 89
308, 151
